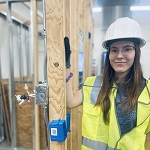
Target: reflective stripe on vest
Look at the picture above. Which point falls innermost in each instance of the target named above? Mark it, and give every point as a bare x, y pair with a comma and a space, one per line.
96, 138
95, 145
95, 89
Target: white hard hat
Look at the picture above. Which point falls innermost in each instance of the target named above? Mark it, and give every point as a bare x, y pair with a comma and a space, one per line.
124, 29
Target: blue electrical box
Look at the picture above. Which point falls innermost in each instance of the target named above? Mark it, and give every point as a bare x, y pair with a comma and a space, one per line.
58, 130
68, 122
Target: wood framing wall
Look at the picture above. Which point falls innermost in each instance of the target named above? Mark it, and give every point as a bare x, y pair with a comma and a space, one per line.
66, 18
63, 18
24, 115
147, 144
55, 26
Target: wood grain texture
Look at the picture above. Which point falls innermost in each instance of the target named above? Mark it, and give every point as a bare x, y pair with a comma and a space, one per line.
24, 114
89, 37
67, 18
74, 38
24, 119
55, 59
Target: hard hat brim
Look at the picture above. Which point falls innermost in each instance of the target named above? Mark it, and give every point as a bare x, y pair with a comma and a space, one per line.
141, 42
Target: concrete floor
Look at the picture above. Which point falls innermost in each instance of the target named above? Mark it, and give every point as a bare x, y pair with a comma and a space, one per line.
5, 146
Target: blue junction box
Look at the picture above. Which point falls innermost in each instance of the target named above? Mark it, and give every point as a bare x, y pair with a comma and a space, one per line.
68, 122
58, 130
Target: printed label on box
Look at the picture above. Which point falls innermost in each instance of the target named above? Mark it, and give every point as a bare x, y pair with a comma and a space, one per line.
54, 131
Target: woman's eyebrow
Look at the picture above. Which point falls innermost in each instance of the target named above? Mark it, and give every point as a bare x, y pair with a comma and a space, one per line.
123, 46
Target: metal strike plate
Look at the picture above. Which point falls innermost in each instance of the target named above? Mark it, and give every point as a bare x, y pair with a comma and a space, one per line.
41, 91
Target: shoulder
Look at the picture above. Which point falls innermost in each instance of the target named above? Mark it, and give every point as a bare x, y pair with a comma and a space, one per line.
148, 84
93, 80
90, 79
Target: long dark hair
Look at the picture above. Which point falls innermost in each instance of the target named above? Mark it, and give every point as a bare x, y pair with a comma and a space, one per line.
132, 83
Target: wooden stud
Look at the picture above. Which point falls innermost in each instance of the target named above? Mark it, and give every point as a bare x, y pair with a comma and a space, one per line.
19, 17
74, 68
57, 25
56, 63
67, 25
147, 143
90, 37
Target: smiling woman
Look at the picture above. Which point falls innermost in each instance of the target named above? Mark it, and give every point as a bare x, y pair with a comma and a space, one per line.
116, 107
121, 58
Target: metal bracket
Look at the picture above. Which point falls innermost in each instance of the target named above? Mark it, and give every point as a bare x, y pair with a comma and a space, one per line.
41, 92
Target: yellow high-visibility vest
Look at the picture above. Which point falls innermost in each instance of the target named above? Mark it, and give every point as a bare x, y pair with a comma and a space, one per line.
96, 135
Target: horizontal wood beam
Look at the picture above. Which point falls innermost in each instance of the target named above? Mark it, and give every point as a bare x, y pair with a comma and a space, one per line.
19, 18
28, 22
3, 8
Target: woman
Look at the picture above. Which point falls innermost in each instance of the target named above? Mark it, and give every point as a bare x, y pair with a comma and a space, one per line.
116, 107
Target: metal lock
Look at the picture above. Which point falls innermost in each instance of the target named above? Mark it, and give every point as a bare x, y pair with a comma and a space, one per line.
41, 94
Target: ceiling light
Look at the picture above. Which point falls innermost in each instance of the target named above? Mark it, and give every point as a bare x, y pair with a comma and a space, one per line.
137, 8
97, 9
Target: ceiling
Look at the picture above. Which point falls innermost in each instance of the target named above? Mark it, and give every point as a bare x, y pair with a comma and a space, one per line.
21, 9
117, 2
120, 2
112, 9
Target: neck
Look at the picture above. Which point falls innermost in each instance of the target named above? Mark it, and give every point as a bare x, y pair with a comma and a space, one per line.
120, 78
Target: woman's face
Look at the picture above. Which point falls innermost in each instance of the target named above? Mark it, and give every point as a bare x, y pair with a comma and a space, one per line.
121, 57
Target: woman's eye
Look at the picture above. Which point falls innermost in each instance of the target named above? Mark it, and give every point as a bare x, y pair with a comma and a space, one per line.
127, 49
114, 50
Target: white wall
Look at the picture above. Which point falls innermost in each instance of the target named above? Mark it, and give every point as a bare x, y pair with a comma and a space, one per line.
19, 60
142, 17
